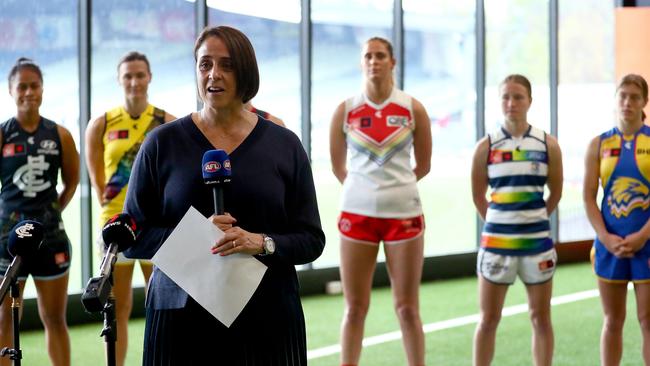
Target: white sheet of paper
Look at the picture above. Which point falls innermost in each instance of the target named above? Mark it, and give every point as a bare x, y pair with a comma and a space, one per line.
222, 285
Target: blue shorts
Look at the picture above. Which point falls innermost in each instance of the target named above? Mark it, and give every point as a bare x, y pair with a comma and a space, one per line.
611, 268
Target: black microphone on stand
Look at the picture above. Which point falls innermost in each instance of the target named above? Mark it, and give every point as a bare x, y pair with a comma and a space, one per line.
24, 240
216, 172
118, 235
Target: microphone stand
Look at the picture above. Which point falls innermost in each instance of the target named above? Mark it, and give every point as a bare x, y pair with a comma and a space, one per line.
14, 353
98, 297
109, 332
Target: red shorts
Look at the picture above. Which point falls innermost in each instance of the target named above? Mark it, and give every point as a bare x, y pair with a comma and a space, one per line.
374, 229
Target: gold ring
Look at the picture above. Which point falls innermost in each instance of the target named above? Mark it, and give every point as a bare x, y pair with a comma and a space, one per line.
234, 243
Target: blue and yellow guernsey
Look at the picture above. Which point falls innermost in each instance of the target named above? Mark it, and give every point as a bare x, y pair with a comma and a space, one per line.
516, 222
625, 178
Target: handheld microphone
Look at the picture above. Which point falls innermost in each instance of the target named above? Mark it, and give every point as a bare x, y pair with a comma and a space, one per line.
118, 235
216, 172
24, 240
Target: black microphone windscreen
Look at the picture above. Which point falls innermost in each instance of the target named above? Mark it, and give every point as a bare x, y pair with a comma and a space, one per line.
216, 167
119, 229
25, 238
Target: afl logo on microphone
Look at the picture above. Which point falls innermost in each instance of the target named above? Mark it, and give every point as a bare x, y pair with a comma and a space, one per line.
25, 230
212, 166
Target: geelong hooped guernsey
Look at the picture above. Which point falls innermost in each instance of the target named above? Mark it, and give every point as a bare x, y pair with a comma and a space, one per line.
29, 168
123, 136
516, 222
380, 180
625, 178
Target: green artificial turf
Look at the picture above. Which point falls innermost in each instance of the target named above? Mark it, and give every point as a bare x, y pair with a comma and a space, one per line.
577, 327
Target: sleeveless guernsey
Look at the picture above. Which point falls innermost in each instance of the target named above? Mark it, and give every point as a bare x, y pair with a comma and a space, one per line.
516, 222
29, 168
380, 180
625, 178
122, 138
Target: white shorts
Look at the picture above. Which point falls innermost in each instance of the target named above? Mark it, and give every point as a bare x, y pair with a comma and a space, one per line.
503, 269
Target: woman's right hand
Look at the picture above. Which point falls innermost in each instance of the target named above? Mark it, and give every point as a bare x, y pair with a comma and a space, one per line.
223, 222
615, 245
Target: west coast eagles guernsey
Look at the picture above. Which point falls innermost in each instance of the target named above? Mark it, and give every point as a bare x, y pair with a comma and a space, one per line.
29, 168
516, 222
122, 138
380, 180
625, 178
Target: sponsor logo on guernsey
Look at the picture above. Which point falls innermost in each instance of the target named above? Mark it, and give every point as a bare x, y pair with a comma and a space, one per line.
10, 150
627, 194
118, 135
397, 121
48, 147
536, 155
497, 156
28, 178
534, 166
611, 153
48, 144
30, 140
642, 151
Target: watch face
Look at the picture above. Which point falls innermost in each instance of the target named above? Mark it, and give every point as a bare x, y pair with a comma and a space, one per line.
269, 245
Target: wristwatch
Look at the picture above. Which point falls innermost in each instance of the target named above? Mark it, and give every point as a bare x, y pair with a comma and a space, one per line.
268, 245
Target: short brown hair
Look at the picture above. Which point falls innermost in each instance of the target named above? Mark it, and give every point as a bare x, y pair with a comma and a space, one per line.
134, 56
638, 81
242, 55
521, 80
24, 63
385, 42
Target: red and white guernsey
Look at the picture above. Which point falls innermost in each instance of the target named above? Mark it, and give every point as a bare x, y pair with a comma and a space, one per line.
380, 180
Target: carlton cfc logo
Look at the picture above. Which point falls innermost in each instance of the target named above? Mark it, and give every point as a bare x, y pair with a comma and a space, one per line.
213, 166
25, 230
226, 164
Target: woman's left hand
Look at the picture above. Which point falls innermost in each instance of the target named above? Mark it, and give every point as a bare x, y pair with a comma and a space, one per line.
633, 243
238, 240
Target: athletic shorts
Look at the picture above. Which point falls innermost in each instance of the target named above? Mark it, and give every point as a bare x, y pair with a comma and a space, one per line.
52, 259
372, 230
121, 259
610, 268
504, 269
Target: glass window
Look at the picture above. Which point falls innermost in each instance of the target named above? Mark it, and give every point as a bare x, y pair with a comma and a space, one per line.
274, 31
164, 31
586, 100
44, 31
440, 54
338, 35
517, 43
